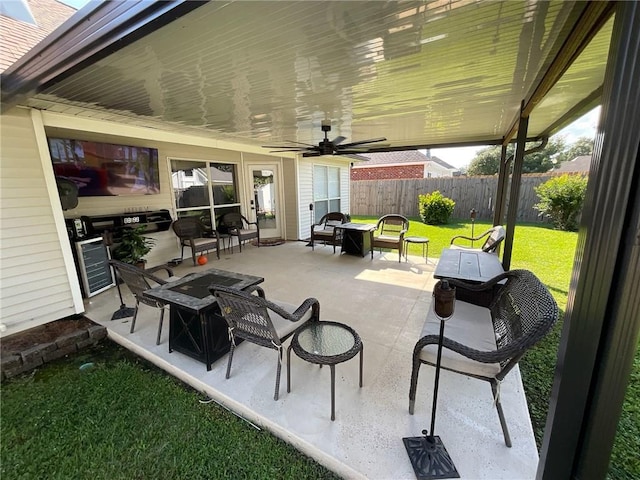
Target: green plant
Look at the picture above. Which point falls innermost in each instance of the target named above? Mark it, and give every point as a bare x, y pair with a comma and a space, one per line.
133, 246
561, 199
435, 208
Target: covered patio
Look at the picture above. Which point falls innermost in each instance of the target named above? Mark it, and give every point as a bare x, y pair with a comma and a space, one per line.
386, 302
214, 80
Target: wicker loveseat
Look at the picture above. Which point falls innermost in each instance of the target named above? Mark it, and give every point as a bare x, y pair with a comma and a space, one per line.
486, 343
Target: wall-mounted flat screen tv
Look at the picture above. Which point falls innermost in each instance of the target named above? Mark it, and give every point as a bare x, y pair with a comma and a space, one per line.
104, 169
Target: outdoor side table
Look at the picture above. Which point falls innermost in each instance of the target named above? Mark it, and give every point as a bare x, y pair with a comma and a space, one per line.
325, 343
425, 246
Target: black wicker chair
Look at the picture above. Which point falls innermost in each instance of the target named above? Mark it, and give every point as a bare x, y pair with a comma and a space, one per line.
139, 280
486, 343
193, 234
260, 321
325, 230
389, 233
494, 236
241, 228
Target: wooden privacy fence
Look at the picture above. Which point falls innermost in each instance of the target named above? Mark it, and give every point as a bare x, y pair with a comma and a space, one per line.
378, 197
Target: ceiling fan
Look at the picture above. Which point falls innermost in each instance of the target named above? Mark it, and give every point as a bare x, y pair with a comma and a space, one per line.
329, 147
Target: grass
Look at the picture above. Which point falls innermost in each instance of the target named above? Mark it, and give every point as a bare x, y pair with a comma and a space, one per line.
125, 419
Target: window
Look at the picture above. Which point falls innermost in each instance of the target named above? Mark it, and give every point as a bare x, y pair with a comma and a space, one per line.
326, 190
204, 189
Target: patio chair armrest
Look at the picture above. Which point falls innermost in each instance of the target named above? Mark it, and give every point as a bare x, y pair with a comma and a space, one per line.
299, 312
256, 289
153, 278
160, 267
309, 303
474, 239
491, 356
295, 316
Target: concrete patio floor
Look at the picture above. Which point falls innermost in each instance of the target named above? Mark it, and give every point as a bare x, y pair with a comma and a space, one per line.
386, 303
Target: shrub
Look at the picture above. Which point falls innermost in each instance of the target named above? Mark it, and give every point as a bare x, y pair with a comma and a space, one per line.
561, 199
435, 208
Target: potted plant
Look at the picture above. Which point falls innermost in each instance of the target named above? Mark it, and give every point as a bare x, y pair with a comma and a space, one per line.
133, 246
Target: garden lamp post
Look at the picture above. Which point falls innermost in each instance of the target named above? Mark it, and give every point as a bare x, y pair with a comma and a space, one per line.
428, 455
472, 213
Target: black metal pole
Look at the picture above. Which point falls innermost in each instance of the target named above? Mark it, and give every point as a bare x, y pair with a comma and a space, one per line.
437, 381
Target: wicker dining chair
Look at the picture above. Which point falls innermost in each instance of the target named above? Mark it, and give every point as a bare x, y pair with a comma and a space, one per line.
260, 321
325, 230
389, 233
139, 280
494, 236
193, 234
521, 313
241, 228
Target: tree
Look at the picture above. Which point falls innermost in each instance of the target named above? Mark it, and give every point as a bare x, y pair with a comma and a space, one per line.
543, 161
486, 161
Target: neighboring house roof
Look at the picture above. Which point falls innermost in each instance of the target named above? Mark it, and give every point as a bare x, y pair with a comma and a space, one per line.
17, 37
579, 164
407, 156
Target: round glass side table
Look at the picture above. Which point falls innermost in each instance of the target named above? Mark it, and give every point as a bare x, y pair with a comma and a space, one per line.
325, 343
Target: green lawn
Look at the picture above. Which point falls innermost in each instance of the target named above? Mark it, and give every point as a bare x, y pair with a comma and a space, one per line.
126, 419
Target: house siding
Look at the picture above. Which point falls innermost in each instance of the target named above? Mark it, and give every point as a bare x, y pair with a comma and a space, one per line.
290, 199
36, 286
305, 194
305, 178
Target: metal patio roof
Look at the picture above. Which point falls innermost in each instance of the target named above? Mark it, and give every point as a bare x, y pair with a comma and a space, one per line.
421, 74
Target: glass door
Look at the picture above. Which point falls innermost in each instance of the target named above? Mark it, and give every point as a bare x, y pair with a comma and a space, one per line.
265, 201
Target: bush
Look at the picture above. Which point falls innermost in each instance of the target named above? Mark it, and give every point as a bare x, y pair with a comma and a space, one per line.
561, 199
435, 208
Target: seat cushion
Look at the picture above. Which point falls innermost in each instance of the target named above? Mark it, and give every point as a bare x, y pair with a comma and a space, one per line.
471, 326
203, 242
245, 232
325, 232
284, 326
386, 240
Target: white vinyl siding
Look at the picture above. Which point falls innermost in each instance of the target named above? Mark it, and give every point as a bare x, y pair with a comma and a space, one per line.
35, 286
305, 188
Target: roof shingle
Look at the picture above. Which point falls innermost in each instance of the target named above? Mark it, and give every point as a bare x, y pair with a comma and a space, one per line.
17, 38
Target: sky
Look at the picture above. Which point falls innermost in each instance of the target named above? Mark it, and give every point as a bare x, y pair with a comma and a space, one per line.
585, 126
77, 4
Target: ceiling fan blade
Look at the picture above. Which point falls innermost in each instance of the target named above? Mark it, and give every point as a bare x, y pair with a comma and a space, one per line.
362, 142
338, 140
287, 151
344, 151
311, 153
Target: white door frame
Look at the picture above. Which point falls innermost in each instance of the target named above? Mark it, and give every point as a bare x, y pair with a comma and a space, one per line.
276, 166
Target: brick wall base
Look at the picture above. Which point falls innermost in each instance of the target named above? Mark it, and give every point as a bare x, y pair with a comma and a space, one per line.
29, 358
